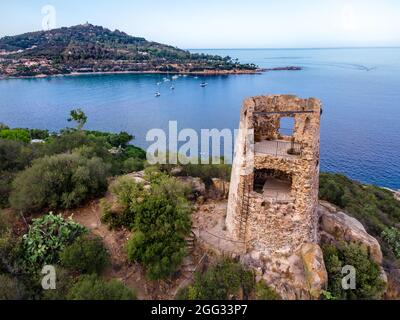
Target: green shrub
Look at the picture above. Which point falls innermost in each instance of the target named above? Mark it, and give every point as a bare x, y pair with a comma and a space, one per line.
92, 288
58, 182
85, 255
11, 289
392, 238
15, 155
116, 140
161, 226
369, 284
15, 134
206, 172
64, 282
47, 237
39, 134
133, 165
134, 152
221, 282
6, 179
263, 292
128, 194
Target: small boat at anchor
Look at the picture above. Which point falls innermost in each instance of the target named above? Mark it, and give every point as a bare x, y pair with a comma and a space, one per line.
157, 94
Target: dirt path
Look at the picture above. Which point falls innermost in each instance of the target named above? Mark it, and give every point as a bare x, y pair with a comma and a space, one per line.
131, 274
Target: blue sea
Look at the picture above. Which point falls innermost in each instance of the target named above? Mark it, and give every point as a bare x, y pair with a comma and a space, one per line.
359, 89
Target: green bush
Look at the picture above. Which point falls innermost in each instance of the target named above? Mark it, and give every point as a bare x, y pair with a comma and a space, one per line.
369, 284
221, 282
128, 194
39, 134
161, 226
134, 152
15, 155
58, 182
11, 289
85, 255
64, 282
6, 179
160, 217
392, 238
263, 292
206, 172
92, 288
47, 237
133, 165
15, 134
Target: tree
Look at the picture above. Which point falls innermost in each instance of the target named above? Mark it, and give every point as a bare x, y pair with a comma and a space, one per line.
78, 116
92, 288
58, 182
85, 255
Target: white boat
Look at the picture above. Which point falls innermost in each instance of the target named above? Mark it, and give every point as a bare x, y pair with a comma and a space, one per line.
196, 77
159, 83
175, 77
172, 87
166, 80
204, 84
158, 94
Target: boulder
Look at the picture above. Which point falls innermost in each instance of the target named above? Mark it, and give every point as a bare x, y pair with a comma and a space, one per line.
314, 268
341, 227
220, 188
197, 185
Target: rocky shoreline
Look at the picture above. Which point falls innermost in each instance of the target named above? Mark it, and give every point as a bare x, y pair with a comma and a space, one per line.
197, 73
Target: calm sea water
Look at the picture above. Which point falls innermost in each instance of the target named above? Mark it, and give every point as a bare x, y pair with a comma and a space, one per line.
359, 88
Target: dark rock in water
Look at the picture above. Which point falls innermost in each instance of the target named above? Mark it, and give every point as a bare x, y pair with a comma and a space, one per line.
289, 68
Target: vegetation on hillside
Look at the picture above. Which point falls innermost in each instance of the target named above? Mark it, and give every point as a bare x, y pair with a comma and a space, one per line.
77, 256
88, 48
25, 167
226, 280
374, 207
158, 215
369, 284
91, 287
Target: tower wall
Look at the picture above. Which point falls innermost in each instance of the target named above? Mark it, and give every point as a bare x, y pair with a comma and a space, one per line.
275, 177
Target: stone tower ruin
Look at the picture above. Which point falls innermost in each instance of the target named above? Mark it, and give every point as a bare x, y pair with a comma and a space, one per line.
273, 198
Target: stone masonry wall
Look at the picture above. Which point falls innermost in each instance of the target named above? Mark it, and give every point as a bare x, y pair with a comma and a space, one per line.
276, 227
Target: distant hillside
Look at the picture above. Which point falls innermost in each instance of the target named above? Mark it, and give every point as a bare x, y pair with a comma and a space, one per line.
88, 48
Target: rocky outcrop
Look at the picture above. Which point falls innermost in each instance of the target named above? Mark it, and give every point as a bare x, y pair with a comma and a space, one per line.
314, 268
336, 226
219, 188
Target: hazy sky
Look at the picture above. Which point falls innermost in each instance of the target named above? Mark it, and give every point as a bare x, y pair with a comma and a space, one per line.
223, 23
